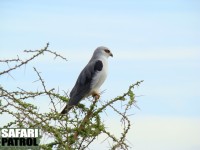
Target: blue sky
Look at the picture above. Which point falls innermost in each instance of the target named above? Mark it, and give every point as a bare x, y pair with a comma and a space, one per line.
155, 41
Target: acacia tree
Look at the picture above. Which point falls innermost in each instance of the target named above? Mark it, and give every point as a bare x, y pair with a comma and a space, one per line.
76, 130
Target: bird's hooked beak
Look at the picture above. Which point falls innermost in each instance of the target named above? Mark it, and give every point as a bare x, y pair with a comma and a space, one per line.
111, 54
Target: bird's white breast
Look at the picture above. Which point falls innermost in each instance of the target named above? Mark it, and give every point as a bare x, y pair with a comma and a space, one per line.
100, 76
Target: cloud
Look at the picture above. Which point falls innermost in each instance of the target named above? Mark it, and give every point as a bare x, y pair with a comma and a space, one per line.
156, 133
159, 54
172, 133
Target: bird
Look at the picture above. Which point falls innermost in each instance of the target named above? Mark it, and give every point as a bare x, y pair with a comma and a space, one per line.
90, 79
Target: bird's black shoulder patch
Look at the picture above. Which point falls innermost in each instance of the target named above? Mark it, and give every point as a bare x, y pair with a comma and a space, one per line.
98, 65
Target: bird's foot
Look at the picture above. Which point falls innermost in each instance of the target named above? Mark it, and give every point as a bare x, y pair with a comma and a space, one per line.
96, 96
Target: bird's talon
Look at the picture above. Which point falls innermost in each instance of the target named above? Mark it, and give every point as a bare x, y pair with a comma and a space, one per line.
96, 96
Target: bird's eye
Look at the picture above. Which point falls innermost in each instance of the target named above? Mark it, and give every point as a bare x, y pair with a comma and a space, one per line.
107, 51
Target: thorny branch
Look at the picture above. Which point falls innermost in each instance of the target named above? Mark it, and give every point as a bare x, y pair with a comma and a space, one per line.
77, 130
24, 62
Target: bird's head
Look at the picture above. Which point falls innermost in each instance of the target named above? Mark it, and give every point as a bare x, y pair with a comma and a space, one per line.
102, 51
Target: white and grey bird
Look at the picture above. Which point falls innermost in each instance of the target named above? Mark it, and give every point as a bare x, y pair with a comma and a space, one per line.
90, 79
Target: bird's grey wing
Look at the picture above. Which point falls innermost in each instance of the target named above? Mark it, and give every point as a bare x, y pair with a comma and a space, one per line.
83, 83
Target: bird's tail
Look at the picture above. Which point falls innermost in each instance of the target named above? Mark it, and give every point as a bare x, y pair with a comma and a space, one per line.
66, 109
73, 101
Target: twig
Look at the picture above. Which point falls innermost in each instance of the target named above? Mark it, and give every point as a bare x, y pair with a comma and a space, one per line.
85, 120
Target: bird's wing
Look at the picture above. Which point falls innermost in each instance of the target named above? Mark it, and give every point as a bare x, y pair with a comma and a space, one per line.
84, 81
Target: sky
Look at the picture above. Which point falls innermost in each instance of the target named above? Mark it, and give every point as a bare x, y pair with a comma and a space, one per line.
157, 41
